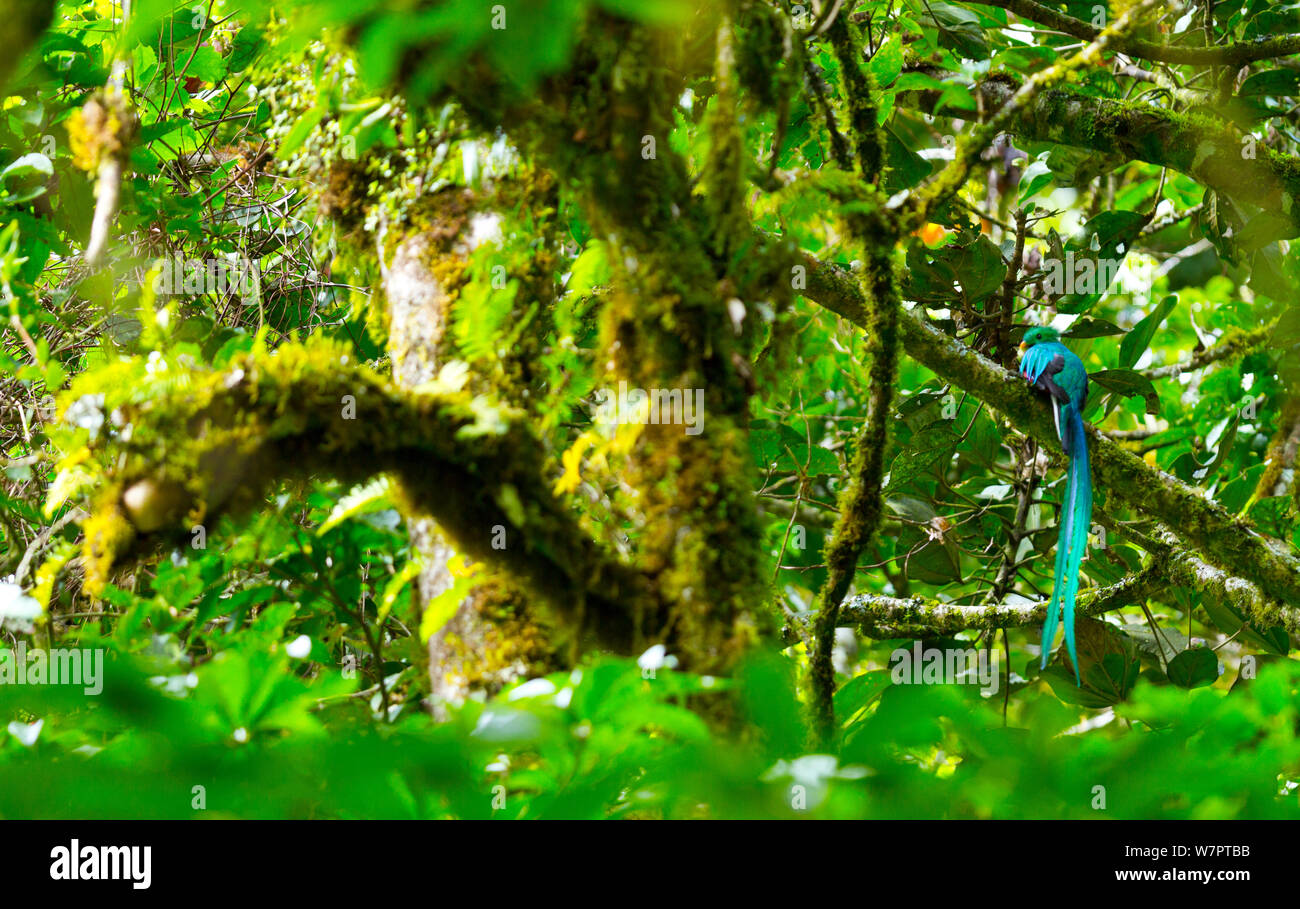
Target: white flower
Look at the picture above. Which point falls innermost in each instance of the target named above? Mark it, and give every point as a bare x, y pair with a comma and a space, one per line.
534, 688
27, 733
657, 657
18, 611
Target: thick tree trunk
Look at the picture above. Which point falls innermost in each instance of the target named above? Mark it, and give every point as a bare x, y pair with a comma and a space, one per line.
470, 652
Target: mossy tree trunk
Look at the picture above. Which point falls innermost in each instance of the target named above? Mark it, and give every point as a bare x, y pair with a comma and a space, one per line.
494, 635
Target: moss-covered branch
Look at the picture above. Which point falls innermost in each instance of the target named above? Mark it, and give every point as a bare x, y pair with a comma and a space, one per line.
1186, 569
1232, 346
1222, 538
1219, 55
861, 503
881, 616
215, 440
974, 141
1281, 454
1204, 149
878, 616
860, 96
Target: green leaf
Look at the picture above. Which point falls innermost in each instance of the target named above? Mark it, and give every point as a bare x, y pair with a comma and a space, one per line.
590, 269
1108, 665
1273, 515
933, 445
959, 29
1157, 648
299, 132
906, 167
1194, 668
979, 268
1222, 446
394, 587
440, 610
33, 164
859, 693
985, 438
367, 497
1264, 228
207, 65
1276, 82
1275, 19
783, 448
923, 558
1230, 620
1094, 258
887, 62
975, 264
1268, 274
1129, 384
247, 45
1138, 339
1086, 327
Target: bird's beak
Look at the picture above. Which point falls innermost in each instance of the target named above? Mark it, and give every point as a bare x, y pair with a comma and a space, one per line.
1023, 347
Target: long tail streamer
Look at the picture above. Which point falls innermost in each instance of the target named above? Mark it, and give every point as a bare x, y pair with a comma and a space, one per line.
1076, 519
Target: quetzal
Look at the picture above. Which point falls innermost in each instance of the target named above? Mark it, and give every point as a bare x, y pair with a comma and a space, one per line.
1055, 370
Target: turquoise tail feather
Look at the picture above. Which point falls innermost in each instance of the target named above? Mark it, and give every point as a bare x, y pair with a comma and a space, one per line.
1076, 520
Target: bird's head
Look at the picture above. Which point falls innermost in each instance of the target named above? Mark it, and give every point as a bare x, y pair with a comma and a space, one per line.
1039, 334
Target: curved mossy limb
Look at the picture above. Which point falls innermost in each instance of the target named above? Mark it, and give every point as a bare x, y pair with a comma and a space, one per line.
311, 409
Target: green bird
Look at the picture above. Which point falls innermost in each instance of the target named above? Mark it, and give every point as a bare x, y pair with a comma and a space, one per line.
1054, 369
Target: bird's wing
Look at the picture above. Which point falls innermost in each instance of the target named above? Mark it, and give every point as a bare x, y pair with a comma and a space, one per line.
1041, 365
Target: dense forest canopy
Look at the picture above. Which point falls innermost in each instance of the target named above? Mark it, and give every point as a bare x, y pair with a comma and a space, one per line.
596, 408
